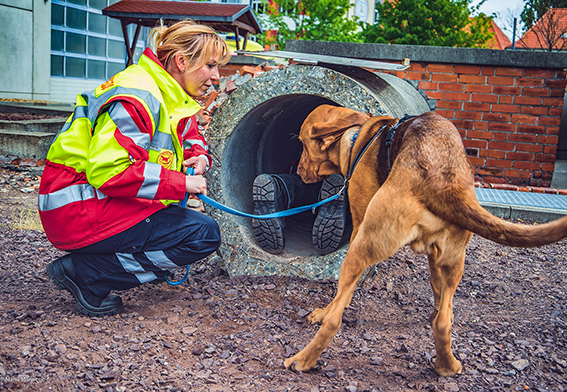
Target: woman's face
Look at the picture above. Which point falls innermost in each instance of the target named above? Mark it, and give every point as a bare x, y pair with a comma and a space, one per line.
197, 83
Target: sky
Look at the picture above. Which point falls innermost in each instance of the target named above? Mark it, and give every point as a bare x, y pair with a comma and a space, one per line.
506, 11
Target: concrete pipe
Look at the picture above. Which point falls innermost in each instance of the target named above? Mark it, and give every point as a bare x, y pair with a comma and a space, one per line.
255, 131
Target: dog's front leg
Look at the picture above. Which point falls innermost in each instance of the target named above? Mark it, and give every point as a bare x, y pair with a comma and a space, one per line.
331, 316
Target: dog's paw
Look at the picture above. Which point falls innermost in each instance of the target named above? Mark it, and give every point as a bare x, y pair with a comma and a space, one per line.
317, 316
294, 363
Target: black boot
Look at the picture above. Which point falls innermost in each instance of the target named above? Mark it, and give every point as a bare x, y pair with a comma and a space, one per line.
269, 197
62, 272
329, 225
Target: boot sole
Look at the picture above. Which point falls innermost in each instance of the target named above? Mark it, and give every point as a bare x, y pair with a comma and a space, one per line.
268, 232
329, 225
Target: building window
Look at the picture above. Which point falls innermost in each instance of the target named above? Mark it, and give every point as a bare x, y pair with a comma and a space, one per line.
87, 44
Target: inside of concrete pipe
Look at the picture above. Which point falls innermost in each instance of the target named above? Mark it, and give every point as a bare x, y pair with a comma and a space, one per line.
266, 141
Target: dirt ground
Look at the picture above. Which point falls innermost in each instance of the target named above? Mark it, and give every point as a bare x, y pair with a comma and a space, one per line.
221, 333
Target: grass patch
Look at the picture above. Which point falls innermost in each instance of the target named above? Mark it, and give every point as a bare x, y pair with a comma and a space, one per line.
27, 219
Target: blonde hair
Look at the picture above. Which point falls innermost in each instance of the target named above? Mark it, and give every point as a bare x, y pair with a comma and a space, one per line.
195, 41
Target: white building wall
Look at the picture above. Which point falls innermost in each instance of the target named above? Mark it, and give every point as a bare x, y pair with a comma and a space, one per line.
66, 89
25, 43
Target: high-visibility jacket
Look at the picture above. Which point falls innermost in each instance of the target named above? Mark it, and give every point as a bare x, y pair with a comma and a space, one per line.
118, 158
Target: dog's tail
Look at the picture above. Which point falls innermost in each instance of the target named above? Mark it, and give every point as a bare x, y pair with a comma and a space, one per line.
467, 213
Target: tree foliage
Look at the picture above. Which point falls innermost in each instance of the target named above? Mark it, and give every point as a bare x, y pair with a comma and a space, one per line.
429, 22
318, 20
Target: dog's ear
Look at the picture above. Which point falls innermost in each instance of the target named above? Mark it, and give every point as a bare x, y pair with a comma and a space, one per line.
330, 130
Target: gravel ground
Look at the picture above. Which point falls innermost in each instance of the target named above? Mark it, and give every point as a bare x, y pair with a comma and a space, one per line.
221, 333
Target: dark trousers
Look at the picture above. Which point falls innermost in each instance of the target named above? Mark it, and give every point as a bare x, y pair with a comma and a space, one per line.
297, 192
152, 249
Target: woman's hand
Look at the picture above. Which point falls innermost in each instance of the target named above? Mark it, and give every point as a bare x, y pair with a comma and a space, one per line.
196, 184
199, 164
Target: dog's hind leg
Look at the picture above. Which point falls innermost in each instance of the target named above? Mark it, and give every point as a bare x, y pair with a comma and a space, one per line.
446, 262
380, 235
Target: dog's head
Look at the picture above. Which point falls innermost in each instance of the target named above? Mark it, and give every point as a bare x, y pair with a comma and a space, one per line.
320, 133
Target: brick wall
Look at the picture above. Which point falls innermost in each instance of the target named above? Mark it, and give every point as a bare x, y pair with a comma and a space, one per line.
509, 117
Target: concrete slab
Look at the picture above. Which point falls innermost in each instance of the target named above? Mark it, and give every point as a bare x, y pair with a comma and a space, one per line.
560, 175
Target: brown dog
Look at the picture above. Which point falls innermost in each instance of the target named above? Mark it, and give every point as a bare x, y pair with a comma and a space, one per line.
427, 200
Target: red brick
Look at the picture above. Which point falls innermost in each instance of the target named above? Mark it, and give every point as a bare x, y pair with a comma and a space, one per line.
548, 167
561, 74
502, 127
446, 104
467, 69
462, 132
556, 83
457, 96
522, 138
539, 73
519, 174
446, 113
496, 117
452, 78
555, 112
487, 71
500, 80
536, 110
428, 86
474, 79
506, 146
506, 90
419, 67
531, 129
552, 130
562, 192
450, 87
525, 82
474, 143
519, 100
469, 115
495, 154
549, 158
483, 107
545, 139
472, 134
550, 149
535, 92
509, 72
559, 93
497, 108
484, 98
506, 99
529, 147
500, 136
478, 88
481, 125
520, 156
463, 124
434, 94
550, 120
553, 102
441, 68
476, 161
518, 118
490, 171
418, 76
526, 165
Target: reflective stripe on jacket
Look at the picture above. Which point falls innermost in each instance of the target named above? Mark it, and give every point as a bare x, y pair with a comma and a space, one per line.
119, 156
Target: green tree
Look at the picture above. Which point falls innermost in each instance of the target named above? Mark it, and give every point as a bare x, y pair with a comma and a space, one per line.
317, 20
535, 9
429, 22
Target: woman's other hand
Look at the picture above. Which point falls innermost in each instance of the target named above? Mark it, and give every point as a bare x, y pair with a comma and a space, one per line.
199, 164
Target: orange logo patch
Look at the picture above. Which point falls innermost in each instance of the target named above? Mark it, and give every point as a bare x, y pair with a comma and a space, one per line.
165, 158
